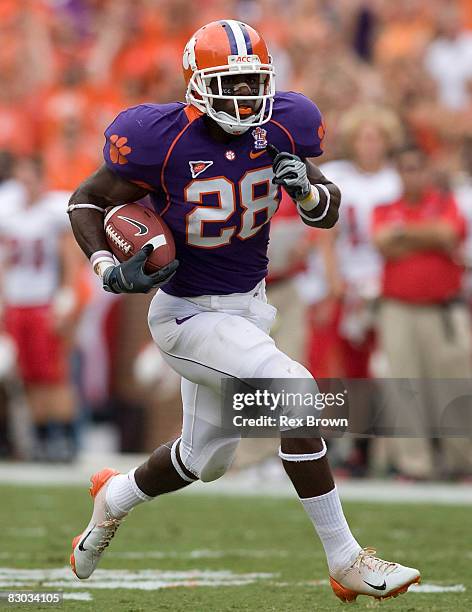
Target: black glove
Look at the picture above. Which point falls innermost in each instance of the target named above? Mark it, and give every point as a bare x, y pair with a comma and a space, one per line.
129, 276
290, 172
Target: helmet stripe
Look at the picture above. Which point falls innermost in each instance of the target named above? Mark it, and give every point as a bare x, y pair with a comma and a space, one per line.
231, 37
247, 38
235, 28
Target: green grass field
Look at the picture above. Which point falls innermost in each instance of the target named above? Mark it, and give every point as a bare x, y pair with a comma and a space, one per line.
257, 553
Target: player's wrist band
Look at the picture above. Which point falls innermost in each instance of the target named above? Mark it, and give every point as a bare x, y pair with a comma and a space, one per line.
310, 201
72, 207
302, 204
101, 261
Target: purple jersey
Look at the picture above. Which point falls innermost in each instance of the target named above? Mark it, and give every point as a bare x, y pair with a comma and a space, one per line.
217, 198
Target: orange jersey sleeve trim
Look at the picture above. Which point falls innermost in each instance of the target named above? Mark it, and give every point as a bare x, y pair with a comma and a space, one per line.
144, 185
287, 133
192, 114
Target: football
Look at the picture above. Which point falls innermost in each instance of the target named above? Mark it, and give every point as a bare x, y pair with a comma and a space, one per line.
130, 226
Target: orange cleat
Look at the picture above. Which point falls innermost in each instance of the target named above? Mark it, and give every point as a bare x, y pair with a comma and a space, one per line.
369, 575
88, 547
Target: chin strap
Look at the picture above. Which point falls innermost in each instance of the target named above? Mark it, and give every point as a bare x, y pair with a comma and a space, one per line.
235, 129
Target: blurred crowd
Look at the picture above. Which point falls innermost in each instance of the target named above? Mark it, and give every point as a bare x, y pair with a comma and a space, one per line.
394, 83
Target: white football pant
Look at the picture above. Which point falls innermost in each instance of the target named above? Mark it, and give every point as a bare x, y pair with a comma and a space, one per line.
206, 339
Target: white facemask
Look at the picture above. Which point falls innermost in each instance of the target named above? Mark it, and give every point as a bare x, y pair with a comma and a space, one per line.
200, 95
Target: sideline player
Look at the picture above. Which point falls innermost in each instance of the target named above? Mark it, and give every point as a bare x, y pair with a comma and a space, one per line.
352, 265
207, 168
39, 265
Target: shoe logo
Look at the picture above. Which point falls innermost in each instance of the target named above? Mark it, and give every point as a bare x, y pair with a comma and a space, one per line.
197, 167
81, 544
256, 154
377, 587
142, 229
180, 321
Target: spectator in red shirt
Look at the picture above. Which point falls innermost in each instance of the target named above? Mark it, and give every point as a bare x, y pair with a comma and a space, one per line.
424, 325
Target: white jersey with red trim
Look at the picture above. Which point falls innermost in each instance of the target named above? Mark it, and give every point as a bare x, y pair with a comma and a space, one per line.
30, 239
359, 263
362, 192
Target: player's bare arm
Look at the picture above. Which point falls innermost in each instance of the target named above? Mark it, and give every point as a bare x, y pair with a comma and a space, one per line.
65, 300
86, 208
316, 197
87, 205
317, 178
329, 255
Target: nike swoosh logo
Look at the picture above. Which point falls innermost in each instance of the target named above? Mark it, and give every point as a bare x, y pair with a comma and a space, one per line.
127, 285
377, 587
81, 544
180, 321
256, 154
142, 229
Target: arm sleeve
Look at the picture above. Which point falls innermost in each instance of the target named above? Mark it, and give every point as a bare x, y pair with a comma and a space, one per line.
130, 150
306, 126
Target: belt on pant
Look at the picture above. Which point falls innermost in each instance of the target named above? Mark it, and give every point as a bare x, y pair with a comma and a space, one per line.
229, 302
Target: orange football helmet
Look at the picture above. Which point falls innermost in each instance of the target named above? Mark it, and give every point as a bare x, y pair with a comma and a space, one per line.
229, 48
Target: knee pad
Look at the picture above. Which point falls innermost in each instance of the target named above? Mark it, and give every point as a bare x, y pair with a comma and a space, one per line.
213, 460
290, 377
279, 365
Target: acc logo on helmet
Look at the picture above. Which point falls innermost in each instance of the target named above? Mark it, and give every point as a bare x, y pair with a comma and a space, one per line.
243, 59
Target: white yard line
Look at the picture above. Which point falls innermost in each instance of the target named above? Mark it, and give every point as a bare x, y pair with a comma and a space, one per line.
25, 532
198, 554
437, 588
78, 596
153, 580
144, 580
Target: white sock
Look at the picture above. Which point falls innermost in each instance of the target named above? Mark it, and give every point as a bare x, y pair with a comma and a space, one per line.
327, 516
123, 494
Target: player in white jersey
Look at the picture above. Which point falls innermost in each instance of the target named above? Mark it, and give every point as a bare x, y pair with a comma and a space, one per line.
358, 261
10, 198
349, 260
37, 253
345, 273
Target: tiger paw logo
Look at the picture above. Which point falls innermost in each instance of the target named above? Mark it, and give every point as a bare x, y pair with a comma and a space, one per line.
321, 133
119, 149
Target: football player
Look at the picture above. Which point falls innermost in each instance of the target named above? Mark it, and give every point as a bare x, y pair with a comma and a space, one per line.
208, 169
39, 265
